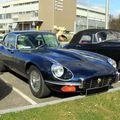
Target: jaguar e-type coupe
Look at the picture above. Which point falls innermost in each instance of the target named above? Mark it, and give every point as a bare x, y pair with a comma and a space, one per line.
38, 57
102, 41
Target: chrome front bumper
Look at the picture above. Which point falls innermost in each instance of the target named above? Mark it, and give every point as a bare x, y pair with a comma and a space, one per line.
88, 84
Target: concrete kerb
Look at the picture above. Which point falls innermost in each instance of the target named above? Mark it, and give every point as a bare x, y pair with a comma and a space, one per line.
18, 109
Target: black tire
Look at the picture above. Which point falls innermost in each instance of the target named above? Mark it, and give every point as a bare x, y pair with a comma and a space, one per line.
41, 90
2, 67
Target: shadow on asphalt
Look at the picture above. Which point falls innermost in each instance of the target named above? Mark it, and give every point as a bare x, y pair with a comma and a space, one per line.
64, 95
5, 89
19, 76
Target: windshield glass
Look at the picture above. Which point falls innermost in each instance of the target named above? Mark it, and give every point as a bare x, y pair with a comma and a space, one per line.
34, 40
107, 35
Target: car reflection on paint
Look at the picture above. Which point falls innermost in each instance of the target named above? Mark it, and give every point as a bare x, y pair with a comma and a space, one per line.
38, 57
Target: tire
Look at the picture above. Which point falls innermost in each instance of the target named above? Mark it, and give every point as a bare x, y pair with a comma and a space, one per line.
37, 83
2, 67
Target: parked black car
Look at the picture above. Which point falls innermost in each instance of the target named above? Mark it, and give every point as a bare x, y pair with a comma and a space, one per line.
38, 57
105, 42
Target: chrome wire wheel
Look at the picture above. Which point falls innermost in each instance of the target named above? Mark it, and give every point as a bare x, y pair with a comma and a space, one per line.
37, 84
35, 80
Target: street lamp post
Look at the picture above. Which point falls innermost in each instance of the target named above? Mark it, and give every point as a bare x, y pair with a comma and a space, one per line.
107, 14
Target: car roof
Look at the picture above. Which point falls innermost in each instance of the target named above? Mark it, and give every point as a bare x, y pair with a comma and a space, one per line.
20, 32
87, 31
95, 30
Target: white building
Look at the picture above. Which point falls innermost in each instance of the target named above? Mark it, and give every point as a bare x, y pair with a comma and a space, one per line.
24, 15
18, 14
89, 17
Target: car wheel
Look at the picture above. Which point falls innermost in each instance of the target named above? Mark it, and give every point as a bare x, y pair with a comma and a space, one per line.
2, 67
37, 83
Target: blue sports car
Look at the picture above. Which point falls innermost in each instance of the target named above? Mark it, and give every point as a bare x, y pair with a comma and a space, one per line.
38, 57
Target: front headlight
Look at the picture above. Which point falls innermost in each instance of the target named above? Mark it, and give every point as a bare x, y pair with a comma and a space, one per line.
112, 62
57, 70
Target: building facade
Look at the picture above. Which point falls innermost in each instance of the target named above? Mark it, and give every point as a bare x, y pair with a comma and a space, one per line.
89, 17
57, 13
18, 15
48, 15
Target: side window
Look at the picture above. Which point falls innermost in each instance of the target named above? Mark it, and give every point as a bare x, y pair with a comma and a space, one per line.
85, 39
24, 42
38, 40
9, 41
102, 36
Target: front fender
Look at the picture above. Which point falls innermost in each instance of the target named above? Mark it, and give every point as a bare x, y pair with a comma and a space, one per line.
43, 64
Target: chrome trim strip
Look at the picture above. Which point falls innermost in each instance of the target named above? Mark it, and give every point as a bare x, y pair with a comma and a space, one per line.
65, 83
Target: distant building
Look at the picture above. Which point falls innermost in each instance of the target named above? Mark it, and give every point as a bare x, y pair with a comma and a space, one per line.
89, 17
48, 15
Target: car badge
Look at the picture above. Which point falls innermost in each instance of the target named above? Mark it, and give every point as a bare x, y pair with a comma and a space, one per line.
99, 80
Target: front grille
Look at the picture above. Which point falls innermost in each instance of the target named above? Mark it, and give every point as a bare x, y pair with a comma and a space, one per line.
97, 82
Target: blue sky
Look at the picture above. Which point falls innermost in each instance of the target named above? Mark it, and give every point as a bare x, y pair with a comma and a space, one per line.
114, 4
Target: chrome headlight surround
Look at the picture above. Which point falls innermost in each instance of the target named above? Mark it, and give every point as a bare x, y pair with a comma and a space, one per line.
57, 70
112, 62
61, 72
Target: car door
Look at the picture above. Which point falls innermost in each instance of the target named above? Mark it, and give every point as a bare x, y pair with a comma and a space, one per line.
110, 49
22, 54
7, 55
13, 57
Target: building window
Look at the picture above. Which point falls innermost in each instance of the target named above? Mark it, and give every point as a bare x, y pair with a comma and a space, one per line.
1, 16
6, 6
58, 5
1, 26
34, 13
8, 15
26, 3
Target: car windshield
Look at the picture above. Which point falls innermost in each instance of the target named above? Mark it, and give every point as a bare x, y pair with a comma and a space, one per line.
36, 40
107, 35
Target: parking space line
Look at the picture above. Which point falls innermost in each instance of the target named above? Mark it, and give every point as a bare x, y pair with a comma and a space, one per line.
24, 96
21, 94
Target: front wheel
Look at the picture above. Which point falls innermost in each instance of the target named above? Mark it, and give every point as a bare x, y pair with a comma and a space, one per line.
37, 83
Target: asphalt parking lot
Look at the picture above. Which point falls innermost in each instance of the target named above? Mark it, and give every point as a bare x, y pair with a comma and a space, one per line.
15, 92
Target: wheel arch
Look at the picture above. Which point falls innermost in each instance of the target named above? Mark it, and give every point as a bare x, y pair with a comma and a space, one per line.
29, 64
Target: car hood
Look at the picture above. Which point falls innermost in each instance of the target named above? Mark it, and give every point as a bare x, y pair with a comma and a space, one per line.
78, 61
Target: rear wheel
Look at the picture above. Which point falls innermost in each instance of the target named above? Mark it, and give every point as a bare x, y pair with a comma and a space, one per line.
37, 83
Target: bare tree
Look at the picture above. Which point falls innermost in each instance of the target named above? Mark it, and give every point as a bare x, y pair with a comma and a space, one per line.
114, 23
